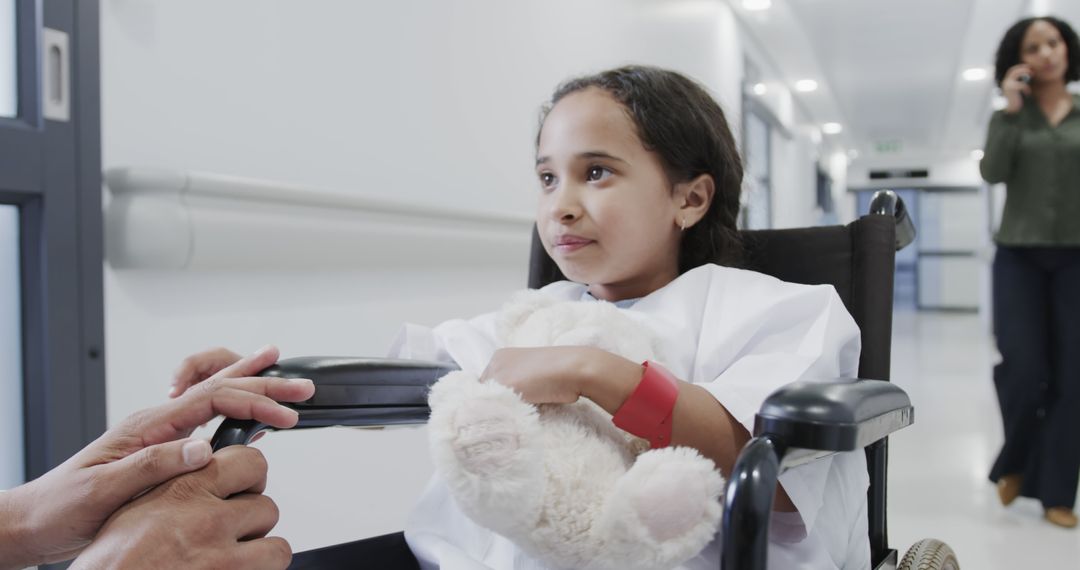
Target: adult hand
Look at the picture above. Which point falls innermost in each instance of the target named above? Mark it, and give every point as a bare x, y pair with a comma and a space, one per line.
55, 516
1014, 89
212, 518
199, 367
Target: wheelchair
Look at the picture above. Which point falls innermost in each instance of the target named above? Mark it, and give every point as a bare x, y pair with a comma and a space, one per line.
800, 422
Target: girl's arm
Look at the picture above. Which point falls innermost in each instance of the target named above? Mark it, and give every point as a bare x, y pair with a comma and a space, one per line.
563, 374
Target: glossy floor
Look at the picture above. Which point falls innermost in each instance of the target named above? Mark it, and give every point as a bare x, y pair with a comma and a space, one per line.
937, 479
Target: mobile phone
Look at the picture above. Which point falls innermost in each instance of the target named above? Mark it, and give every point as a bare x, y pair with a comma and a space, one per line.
1024, 78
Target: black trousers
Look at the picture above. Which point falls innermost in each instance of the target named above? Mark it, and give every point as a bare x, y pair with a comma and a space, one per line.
1037, 325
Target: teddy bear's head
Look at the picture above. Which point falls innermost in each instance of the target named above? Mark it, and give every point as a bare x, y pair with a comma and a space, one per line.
531, 318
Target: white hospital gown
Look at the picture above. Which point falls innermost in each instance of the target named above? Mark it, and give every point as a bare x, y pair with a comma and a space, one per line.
740, 335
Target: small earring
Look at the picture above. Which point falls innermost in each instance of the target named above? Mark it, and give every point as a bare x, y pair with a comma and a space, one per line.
682, 224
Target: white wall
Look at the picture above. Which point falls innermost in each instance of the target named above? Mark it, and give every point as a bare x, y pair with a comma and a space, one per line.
794, 181
421, 100
9, 85
796, 151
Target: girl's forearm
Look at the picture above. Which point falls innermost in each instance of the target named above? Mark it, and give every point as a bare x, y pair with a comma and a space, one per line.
698, 420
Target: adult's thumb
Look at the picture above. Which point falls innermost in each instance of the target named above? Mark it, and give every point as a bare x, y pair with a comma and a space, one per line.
153, 465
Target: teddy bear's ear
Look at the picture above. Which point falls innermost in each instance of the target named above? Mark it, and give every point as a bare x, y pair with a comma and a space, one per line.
518, 310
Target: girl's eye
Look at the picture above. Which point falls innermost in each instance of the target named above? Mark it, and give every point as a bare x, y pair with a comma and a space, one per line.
597, 173
547, 179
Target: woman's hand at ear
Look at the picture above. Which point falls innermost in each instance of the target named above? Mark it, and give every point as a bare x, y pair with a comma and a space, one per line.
1014, 89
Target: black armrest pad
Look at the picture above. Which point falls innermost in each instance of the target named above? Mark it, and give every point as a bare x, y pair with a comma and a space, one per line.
840, 415
364, 392
362, 382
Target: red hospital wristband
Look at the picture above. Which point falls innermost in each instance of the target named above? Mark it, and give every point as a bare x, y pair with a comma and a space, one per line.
647, 412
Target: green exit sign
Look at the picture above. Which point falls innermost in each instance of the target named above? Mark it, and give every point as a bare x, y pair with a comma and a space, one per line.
888, 146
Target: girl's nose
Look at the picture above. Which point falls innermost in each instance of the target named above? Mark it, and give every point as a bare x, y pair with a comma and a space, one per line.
566, 206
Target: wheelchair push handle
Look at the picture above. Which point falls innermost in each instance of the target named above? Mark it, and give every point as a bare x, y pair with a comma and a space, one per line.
888, 203
235, 432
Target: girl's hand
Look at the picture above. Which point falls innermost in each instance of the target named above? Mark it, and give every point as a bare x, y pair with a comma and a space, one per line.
544, 375
1013, 89
562, 374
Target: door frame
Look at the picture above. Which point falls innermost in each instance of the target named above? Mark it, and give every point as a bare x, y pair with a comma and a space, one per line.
51, 170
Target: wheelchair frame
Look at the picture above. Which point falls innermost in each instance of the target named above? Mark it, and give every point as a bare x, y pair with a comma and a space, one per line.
798, 423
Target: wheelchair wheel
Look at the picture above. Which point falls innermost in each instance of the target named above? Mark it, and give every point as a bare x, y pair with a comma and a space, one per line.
929, 554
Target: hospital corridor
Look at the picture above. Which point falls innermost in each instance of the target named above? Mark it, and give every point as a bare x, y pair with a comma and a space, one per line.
941, 489
540, 284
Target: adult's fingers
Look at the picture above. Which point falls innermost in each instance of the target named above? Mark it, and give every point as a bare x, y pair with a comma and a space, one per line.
272, 552
120, 481
239, 398
252, 399
235, 469
252, 515
280, 389
251, 364
199, 367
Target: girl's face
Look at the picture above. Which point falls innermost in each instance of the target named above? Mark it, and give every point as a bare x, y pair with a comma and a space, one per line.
607, 214
1044, 51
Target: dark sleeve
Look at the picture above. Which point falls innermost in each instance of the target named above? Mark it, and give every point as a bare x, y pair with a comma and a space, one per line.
1002, 139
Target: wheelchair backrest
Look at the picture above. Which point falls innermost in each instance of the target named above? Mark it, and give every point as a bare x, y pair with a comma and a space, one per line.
858, 260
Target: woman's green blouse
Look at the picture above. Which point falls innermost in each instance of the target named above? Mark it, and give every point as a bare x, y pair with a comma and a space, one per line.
1040, 166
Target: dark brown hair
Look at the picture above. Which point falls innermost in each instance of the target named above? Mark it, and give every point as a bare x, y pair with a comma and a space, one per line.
1008, 53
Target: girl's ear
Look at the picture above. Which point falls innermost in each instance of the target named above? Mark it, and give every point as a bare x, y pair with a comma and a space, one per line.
692, 200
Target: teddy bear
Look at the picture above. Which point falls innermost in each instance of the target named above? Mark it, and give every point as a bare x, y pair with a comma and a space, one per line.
561, 481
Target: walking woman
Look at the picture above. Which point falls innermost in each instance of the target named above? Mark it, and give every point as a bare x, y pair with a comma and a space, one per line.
1033, 146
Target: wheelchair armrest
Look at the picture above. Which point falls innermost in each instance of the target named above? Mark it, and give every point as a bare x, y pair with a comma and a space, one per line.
833, 416
362, 392
838, 415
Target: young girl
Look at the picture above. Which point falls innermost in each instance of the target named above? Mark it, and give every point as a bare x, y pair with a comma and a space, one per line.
639, 189
639, 182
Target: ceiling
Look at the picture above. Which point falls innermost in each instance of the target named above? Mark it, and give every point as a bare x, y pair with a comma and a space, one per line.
890, 71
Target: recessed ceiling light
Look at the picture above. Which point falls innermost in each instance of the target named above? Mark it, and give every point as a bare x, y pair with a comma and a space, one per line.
975, 74
760, 89
756, 5
806, 85
831, 128
977, 154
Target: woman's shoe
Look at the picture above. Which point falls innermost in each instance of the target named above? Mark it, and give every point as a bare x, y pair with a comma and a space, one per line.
1061, 516
1008, 487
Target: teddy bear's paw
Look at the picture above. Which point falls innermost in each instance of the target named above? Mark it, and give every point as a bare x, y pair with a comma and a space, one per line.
665, 509
675, 491
488, 437
485, 433
488, 449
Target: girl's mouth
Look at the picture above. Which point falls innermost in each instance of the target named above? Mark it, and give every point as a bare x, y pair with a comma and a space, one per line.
569, 243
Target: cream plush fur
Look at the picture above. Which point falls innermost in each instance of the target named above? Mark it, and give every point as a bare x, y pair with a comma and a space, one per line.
561, 481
